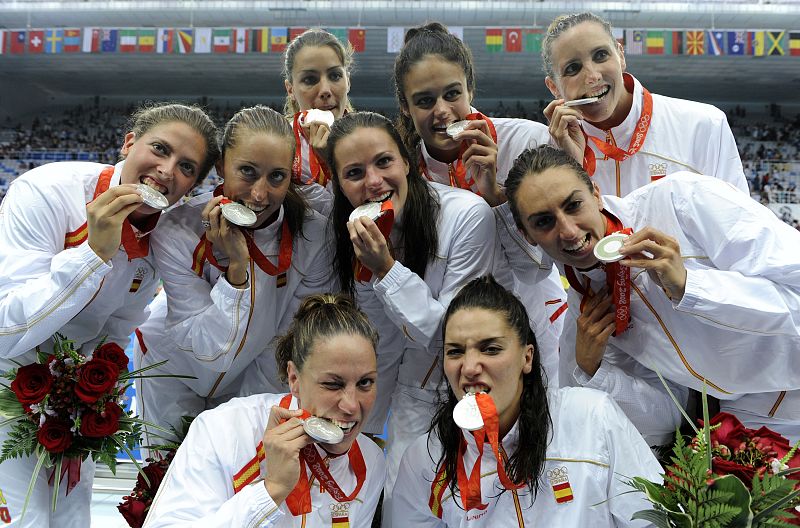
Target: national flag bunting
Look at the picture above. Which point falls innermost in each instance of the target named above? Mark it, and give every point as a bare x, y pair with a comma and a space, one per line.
241, 40
278, 38
259, 40
794, 43
776, 42
533, 40
634, 42
147, 40
36, 41
339, 33
357, 38
394, 39
108, 41
457, 32
736, 43
716, 43
695, 42
296, 32
755, 43
127, 40
72, 40
221, 40
2, 41
494, 40
185, 40
655, 43
513, 40
202, 40
673, 43
619, 35
54, 41
17, 42
165, 40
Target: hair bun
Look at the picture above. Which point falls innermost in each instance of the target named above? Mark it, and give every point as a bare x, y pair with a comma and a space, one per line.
320, 301
435, 28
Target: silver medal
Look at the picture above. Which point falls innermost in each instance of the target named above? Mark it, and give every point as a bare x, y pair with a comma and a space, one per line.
579, 102
324, 117
322, 430
466, 414
607, 249
371, 210
151, 197
238, 214
454, 129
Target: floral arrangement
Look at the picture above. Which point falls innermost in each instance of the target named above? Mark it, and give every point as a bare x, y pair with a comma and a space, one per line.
134, 507
67, 407
726, 476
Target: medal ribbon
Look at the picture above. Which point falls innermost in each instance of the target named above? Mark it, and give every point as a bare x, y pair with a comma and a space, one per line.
456, 170
612, 151
471, 488
134, 247
299, 500
319, 169
384, 222
618, 279
284, 253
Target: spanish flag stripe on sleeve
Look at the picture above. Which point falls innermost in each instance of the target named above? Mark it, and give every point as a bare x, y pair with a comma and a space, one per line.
562, 492
438, 488
250, 471
77, 237
198, 258
340, 522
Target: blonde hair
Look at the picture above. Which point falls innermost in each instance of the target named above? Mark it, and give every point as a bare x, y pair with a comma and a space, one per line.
560, 25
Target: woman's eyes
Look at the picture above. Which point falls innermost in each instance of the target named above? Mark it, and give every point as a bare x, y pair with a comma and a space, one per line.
366, 383
277, 177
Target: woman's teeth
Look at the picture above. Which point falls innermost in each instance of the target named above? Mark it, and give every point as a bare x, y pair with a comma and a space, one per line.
382, 198
475, 389
255, 208
579, 246
150, 182
598, 93
344, 426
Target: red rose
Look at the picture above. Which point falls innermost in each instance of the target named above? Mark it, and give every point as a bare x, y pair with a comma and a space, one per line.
32, 383
95, 379
155, 472
727, 467
113, 352
134, 512
55, 435
95, 425
730, 432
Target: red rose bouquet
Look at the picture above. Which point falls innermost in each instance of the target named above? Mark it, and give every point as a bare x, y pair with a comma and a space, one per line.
68, 407
727, 475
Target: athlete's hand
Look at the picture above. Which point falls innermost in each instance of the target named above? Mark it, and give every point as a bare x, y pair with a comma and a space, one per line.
665, 266
105, 215
318, 137
283, 440
565, 128
370, 246
480, 160
595, 325
229, 239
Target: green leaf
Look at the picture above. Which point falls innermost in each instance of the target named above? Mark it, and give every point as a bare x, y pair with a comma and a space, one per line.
9, 404
776, 507
43, 455
740, 497
133, 458
675, 400
706, 428
659, 519
57, 480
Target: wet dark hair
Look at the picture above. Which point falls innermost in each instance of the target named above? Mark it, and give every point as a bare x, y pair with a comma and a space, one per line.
420, 42
535, 161
151, 115
315, 37
526, 464
420, 212
262, 119
320, 316
560, 25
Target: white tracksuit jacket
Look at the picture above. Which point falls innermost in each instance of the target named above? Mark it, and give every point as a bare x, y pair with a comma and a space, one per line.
736, 325
538, 275
51, 281
593, 447
218, 333
198, 489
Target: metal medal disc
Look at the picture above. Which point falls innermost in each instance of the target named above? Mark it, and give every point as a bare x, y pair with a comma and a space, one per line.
323, 430
371, 210
238, 214
319, 116
607, 249
454, 129
579, 102
151, 197
466, 414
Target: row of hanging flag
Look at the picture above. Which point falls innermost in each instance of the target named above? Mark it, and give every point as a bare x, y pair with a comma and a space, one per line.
163, 40
757, 43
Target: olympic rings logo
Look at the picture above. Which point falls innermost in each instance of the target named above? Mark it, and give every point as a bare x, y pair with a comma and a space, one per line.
557, 473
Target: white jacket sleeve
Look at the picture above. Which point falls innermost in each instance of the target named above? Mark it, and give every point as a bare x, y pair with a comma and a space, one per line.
728, 163
629, 457
412, 490
636, 389
196, 491
754, 284
408, 299
42, 285
208, 320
